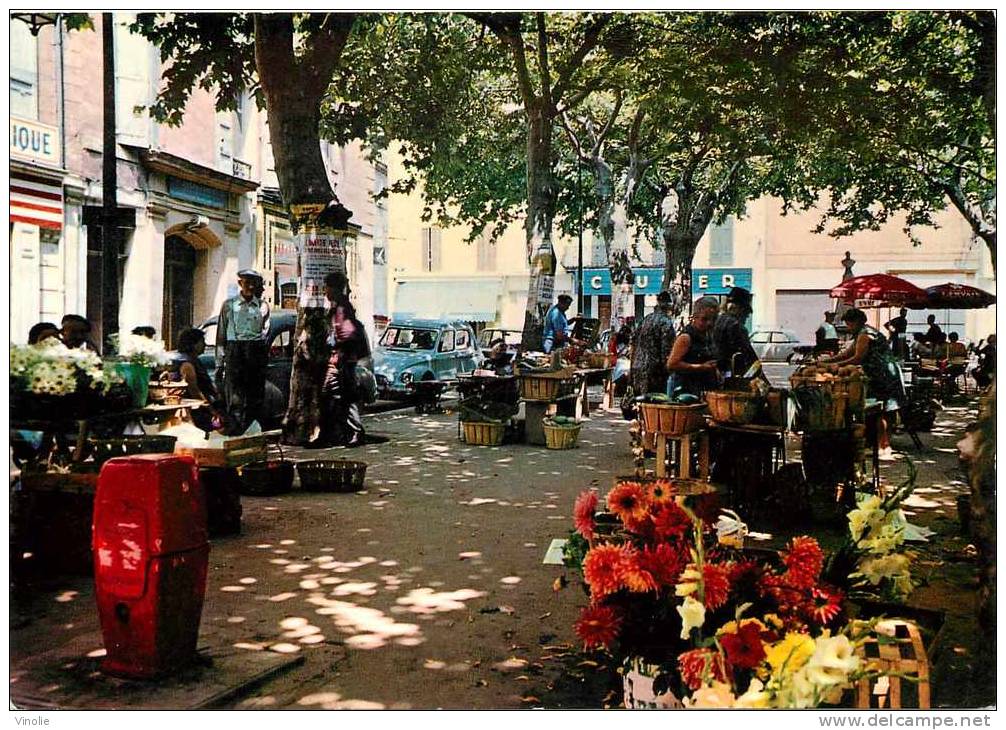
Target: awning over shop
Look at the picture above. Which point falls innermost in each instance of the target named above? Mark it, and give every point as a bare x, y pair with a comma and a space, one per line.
470, 300
36, 200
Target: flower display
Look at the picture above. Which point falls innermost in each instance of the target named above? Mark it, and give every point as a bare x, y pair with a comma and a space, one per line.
52, 368
139, 350
723, 628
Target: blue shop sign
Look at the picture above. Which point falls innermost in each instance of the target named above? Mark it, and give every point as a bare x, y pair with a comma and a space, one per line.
196, 193
597, 282
719, 281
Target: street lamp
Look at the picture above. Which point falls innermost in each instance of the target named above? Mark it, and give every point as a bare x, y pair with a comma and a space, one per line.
579, 243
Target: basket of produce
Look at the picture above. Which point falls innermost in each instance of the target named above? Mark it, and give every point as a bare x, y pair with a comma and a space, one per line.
733, 406
165, 393
672, 417
847, 379
594, 360
483, 433
546, 385
820, 409
561, 432
267, 477
332, 475
104, 449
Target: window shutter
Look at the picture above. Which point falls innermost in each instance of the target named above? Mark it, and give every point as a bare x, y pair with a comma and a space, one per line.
132, 83
721, 244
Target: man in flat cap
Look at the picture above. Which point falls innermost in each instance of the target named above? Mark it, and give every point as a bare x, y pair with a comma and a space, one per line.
242, 339
731, 343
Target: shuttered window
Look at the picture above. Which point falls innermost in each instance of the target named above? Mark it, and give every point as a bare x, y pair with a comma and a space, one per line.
431, 249
721, 243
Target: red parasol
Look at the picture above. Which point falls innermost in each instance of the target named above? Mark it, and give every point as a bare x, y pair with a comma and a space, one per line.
954, 296
878, 290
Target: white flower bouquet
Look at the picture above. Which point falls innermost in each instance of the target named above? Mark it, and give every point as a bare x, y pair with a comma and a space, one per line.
139, 350
52, 368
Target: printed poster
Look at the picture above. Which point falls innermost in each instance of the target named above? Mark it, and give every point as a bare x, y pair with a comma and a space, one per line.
321, 252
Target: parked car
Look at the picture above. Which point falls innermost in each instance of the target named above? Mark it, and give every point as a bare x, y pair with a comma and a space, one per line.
511, 338
282, 323
776, 344
423, 349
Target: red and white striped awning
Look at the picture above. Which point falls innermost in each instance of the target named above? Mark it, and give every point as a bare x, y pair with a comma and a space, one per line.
36, 200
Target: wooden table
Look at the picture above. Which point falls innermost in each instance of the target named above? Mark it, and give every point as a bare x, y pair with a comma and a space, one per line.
756, 453
687, 444
54, 430
588, 377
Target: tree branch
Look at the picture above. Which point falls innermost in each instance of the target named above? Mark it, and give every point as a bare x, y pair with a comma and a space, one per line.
322, 54
590, 39
546, 77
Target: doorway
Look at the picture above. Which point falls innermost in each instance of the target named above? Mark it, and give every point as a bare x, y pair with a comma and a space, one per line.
179, 265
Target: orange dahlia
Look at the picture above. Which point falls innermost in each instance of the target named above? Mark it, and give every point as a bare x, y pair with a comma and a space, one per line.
583, 514
604, 569
628, 501
660, 491
804, 560
598, 626
701, 666
637, 578
716, 585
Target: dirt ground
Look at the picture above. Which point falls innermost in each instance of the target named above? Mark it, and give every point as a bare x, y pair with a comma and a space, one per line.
427, 590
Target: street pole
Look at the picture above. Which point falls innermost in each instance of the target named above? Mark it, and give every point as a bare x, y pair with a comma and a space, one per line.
579, 245
109, 187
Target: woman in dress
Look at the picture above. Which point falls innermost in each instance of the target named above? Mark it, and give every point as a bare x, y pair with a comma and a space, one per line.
347, 339
871, 351
692, 363
191, 344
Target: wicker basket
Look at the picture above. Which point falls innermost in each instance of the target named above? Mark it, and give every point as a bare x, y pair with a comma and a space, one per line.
596, 360
560, 436
169, 394
726, 406
672, 420
546, 386
483, 433
105, 449
337, 475
828, 415
267, 477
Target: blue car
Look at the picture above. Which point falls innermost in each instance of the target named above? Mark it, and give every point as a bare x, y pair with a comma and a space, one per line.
413, 350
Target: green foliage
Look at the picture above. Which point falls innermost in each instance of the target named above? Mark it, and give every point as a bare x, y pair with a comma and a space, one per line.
212, 51
77, 21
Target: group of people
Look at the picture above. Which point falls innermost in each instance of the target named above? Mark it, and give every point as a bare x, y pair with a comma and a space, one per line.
713, 345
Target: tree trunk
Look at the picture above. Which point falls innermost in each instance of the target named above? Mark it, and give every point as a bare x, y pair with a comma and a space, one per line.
538, 226
293, 90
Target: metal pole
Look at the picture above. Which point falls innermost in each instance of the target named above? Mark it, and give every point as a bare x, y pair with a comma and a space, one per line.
579, 244
109, 188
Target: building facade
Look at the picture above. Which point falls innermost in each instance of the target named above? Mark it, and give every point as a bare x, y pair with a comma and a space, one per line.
197, 202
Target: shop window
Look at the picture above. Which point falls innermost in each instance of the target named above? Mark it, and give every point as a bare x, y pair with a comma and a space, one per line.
23, 71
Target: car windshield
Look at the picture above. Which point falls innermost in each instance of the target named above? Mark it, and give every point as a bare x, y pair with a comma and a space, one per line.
409, 338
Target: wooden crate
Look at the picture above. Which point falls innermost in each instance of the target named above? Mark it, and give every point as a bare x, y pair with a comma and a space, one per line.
234, 452
903, 654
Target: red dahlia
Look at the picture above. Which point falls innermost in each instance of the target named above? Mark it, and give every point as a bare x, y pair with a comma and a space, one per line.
637, 578
804, 560
716, 585
663, 562
826, 605
583, 514
628, 501
744, 649
604, 569
701, 666
598, 626
670, 521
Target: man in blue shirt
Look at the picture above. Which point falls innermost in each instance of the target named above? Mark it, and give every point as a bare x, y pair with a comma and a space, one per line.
242, 334
556, 326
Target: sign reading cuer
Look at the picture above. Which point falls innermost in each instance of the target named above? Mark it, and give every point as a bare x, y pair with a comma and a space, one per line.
34, 141
719, 281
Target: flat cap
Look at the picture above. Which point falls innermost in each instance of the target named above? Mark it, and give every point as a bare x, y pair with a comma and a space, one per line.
249, 274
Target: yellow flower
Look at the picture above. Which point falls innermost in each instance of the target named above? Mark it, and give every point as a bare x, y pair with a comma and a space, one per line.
719, 695
773, 620
755, 698
732, 627
887, 566
693, 615
689, 581
833, 660
789, 654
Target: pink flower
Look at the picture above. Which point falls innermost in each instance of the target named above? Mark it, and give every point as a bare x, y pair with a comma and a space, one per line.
583, 514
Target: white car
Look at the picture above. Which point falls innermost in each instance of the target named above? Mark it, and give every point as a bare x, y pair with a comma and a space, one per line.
776, 344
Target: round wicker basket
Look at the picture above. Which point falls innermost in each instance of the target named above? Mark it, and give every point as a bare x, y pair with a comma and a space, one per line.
727, 406
483, 433
672, 420
560, 436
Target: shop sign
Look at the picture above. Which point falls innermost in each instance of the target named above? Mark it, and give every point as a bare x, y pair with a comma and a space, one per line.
597, 282
719, 281
193, 192
34, 141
